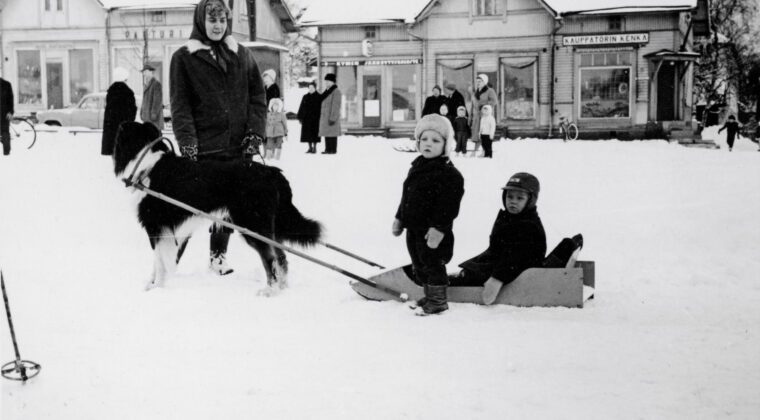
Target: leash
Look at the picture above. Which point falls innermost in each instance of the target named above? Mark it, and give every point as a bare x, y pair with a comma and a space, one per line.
129, 183
144, 153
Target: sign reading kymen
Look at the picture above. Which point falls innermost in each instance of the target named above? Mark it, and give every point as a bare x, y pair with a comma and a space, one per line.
606, 39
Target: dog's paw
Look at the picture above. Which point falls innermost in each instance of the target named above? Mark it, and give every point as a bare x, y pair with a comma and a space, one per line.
268, 291
151, 285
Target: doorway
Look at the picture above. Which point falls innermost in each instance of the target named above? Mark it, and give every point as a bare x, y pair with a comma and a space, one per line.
372, 94
666, 92
54, 85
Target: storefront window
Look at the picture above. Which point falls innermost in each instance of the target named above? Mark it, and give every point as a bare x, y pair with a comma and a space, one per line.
404, 92
29, 81
346, 81
519, 87
131, 59
460, 73
80, 74
605, 80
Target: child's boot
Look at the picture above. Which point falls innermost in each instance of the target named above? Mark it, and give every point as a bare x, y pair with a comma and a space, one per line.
436, 301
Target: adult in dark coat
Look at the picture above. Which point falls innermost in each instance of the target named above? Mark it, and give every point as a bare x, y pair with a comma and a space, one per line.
433, 103
6, 113
120, 107
308, 116
329, 115
454, 99
152, 109
217, 101
272, 89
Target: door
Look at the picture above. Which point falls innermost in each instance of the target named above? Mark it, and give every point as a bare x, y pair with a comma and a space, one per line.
371, 101
666, 92
54, 85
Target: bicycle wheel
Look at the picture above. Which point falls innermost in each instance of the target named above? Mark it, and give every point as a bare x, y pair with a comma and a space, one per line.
572, 131
22, 129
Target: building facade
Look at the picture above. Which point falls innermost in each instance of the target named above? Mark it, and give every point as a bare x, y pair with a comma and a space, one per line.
56, 51
612, 70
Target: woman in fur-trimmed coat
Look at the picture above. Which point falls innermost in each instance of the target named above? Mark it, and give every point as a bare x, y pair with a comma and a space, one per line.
484, 95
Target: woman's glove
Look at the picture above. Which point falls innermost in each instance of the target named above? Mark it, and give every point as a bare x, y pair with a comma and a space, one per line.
190, 152
397, 228
251, 145
434, 238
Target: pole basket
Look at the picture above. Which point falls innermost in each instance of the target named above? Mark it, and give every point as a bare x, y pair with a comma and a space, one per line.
20, 370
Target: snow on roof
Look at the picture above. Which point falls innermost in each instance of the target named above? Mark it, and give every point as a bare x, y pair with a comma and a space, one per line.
156, 4
337, 12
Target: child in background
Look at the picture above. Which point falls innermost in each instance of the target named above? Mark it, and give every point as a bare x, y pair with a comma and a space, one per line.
733, 129
276, 130
444, 112
461, 131
430, 201
487, 130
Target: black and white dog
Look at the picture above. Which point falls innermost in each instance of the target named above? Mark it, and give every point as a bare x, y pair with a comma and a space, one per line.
256, 197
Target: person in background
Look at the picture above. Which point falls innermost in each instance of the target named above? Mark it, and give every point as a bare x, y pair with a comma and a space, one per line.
433, 103
430, 200
483, 95
218, 103
120, 107
455, 99
308, 116
152, 109
6, 114
732, 130
277, 129
444, 112
461, 130
329, 114
272, 89
487, 130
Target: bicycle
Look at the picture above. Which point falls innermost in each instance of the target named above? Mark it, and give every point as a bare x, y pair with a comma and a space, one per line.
567, 129
23, 129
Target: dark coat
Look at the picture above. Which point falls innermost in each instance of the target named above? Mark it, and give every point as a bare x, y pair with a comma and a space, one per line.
731, 129
213, 109
120, 107
432, 192
152, 109
461, 125
272, 91
330, 111
455, 101
308, 116
433, 105
6, 104
517, 242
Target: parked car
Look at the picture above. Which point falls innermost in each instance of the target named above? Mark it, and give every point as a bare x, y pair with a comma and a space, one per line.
87, 113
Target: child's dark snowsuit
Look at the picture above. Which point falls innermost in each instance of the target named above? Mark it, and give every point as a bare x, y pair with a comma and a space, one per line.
432, 192
733, 128
517, 242
461, 134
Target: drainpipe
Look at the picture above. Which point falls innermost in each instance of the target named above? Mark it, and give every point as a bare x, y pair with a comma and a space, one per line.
424, 60
557, 26
319, 56
108, 47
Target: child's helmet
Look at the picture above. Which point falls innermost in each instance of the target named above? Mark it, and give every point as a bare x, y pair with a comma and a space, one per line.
523, 181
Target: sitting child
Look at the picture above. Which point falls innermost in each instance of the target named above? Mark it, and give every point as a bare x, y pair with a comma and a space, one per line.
430, 201
276, 129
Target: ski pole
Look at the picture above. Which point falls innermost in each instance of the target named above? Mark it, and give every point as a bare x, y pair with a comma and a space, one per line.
19, 366
401, 296
352, 255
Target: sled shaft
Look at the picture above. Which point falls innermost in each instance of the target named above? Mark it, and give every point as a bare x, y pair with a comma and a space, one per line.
352, 255
262, 238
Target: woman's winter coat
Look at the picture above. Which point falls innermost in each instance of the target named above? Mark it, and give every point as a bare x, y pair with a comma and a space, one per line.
308, 116
432, 192
433, 105
277, 124
487, 96
120, 107
517, 242
153, 104
330, 112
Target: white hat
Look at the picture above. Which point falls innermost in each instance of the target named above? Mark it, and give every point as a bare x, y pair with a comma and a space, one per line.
440, 125
484, 78
120, 74
271, 73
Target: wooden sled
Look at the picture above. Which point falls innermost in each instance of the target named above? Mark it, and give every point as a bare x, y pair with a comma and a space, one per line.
568, 287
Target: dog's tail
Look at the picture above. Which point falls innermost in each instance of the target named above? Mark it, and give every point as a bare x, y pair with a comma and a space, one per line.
291, 225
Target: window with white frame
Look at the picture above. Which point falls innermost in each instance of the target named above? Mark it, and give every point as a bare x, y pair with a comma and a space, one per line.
605, 85
370, 32
485, 7
29, 77
518, 94
244, 10
404, 92
81, 74
615, 23
460, 73
157, 16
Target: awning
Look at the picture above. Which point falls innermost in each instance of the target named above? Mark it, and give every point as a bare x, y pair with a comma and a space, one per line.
263, 44
670, 55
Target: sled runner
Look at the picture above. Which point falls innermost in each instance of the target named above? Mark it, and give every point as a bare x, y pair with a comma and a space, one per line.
568, 287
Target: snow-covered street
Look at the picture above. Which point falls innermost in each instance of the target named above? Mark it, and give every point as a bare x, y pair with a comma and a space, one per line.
673, 332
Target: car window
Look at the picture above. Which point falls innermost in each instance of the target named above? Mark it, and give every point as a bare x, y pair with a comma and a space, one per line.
90, 103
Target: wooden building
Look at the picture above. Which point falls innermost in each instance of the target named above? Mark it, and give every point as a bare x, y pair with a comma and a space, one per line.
615, 67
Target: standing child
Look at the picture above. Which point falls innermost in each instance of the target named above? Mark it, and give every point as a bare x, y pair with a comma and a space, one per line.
429, 204
277, 128
461, 130
733, 128
487, 130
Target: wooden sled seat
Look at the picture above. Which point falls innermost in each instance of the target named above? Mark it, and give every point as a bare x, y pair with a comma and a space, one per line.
568, 287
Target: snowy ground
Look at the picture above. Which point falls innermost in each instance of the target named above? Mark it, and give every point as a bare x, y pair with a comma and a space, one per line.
672, 333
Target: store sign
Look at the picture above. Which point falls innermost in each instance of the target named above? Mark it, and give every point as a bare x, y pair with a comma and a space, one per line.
153, 33
388, 62
640, 38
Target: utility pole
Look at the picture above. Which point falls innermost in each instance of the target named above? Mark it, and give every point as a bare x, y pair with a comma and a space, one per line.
251, 19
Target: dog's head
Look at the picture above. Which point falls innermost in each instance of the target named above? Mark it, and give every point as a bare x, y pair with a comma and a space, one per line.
131, 139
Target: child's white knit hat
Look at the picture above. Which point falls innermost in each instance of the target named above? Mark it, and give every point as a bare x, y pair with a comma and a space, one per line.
440, 125
275, 102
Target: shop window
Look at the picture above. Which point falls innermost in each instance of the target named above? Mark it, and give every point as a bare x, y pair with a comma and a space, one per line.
157, 17
485, 7
404, 92
460, 73
370, 32
81, 79
615, 23
244, 10
346, 81
29, 78
605, 84
518, 94
47, 5
59, 5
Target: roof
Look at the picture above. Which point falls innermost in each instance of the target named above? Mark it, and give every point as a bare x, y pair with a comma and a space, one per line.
146, 4
323, 12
